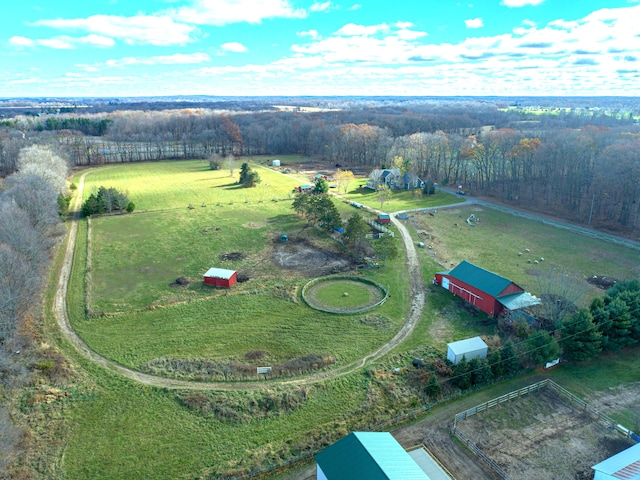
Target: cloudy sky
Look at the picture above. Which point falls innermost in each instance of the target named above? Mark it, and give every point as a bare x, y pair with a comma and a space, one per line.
306, 47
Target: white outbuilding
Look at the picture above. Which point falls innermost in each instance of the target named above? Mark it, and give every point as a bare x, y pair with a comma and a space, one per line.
624, 465
469, 348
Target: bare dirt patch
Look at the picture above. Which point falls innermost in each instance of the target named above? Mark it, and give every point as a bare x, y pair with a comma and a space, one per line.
309, 259
180, 282
254, 225
602, 281
542, 435
234, 256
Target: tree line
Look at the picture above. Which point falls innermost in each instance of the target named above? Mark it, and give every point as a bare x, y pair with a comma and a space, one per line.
30, 228
579, 165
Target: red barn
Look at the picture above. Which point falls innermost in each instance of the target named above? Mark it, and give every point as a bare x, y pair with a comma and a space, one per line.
384, 218
220, 277
488, 291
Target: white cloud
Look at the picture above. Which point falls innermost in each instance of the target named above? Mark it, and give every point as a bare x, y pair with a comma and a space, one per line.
63, 42
474, 23
224, 12
21, 41
140, 29
355, 6
521, 3
175, 59
234, 47
309, 33
352, 30
320, 7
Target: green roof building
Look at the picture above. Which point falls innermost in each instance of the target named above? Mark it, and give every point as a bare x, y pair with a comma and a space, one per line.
367, 456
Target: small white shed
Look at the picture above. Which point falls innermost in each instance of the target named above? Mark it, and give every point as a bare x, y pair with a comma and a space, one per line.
469, 348
275, 163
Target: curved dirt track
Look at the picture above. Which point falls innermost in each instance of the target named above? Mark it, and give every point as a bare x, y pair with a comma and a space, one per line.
62, 317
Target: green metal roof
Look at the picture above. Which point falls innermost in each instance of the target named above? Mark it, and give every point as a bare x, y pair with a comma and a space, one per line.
368, 456
482, 279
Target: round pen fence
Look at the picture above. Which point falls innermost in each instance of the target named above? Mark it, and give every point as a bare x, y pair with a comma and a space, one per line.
312, 294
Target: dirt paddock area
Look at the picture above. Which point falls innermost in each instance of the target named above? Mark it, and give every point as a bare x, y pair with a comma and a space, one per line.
302, 255
542, 435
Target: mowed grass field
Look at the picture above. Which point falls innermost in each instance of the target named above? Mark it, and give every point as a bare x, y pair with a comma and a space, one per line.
117, 429
138, 317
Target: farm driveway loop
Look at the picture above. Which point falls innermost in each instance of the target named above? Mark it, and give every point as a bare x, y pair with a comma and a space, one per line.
62, 317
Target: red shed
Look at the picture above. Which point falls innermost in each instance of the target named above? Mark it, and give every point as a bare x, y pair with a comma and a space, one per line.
220, 277
384, 218
488, 291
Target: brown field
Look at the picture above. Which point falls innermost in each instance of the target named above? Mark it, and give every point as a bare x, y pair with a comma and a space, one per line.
542, 435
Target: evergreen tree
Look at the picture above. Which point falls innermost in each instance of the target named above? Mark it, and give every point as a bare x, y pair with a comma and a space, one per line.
244, 172
356, 230
510, 362
462, 374
321, 186
482, 373
619, 333
631, 299
542, 348
326, 212
433, 387
495, 363
581, 340
301, 204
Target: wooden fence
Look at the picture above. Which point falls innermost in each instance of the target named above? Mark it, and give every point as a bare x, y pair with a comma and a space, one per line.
382, 228
547, 383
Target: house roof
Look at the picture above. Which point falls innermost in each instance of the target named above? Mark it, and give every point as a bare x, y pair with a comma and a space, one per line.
625, 465
482, 279
384, 216
220, 273
368, 456
467, 345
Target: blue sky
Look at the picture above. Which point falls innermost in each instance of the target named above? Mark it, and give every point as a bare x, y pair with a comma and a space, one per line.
304, 47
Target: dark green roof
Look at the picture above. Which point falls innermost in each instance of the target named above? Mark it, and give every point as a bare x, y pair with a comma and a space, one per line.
482, 279
368, 456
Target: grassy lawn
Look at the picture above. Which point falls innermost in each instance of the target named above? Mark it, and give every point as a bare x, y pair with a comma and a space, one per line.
399, 200
333, 294
120, 429
168, 185
497, 240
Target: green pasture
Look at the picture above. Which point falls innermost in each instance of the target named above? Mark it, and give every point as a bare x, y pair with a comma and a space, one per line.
169, 185
399, 199
137, 315
497, 239
343, 294
135, 258
116, 428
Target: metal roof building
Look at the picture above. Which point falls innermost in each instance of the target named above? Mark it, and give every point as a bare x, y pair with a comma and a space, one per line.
488, 291
469, 348
623, 466
367, 456
220, 277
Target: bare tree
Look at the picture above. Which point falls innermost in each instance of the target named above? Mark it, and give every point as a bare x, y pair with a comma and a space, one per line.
19, 287
17, 232
41, 160
231, 163
37, 198
560, 294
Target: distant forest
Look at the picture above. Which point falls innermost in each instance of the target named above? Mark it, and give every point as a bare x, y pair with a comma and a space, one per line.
578, 160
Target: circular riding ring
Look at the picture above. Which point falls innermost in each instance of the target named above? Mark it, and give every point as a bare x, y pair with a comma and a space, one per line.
344, 294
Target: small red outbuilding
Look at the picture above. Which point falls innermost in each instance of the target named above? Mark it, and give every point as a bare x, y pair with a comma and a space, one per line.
220, 277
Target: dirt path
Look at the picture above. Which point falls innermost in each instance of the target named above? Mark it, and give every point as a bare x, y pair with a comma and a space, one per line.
62, 317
